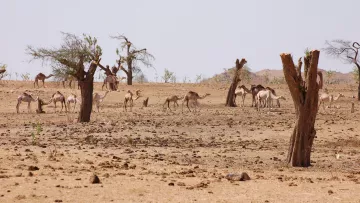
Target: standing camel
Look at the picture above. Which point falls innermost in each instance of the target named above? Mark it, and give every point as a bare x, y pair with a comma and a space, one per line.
241, 91
128, 98
72, 99
192, 96
58, 97
42, 78
25, 97
274, 93
98, 99
254, 91
267, 96
174, 99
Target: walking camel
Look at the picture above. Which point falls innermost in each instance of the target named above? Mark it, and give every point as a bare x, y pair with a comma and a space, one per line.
174, 99
42, 78
241, 91
192, 96
25, 97
327, 97
98, 99
274, 93
58, 97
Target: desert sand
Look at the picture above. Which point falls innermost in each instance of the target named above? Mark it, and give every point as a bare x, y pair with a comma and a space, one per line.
153, 155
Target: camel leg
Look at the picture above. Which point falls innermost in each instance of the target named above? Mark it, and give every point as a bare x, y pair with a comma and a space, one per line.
29, 110
17, 106
74, 106
55, 106
43, 81
243, 100
187, 104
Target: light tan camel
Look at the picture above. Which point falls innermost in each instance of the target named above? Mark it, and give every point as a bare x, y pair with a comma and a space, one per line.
25, 97
170, 99
58, 97
192, 96
98, 99
267, 96
327, 97
128, 98
72, 99
42, 78
241, 91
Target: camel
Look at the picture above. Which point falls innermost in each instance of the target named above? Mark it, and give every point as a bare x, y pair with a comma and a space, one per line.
41, 77
267, 96
97, 99
274, 93
327, 97
241, 91
72, 99
113, 80
192, 96
174, 99
69, 78
25, 97
58, 97
254, 91
128, 98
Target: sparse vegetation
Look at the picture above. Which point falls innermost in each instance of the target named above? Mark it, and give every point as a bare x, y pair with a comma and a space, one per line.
25, 76
167, 75
36, 133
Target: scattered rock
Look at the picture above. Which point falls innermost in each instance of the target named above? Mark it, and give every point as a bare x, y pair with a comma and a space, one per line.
31, 174
171, 184
58, 200
237, 177
94, 179
33, 168
181, 184
330, 192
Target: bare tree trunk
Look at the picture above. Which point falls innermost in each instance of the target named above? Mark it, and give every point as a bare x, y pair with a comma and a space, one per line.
129, 76
305, 94
358, 66
86, 88
230, 99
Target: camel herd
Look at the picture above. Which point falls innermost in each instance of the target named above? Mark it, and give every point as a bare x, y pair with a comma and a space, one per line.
261, 97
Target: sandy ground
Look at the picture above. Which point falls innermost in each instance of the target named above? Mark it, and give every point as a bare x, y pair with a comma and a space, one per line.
152, 155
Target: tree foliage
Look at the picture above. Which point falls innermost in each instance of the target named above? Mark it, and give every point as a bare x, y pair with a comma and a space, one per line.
167, 75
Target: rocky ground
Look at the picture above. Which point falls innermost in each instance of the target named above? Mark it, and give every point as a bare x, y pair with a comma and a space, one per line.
153, 155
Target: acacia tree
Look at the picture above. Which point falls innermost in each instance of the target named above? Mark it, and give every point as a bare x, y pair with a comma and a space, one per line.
72, 56
346, 51
305, 95
230, 101
132, 59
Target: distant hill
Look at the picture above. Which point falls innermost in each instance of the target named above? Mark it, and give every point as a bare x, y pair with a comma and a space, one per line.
275, 77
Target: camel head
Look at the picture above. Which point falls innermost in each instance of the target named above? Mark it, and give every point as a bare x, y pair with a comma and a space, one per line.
281, 97
341, 95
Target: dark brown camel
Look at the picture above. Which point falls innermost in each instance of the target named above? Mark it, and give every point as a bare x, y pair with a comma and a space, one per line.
254, 90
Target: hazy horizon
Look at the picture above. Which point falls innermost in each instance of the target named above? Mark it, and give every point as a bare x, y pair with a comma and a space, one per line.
186, 37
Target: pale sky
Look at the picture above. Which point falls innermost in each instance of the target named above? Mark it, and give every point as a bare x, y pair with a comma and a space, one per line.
188, 37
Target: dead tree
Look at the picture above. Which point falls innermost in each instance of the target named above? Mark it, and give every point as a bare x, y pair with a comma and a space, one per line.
230, 101
132, 58
305, 95
346, 51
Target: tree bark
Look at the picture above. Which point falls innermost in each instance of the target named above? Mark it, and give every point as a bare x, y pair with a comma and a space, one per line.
129, 75
358, 66
305, 95
86, 88
230, 99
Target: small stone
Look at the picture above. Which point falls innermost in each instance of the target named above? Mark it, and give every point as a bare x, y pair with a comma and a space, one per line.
33, 168
94, 179
330, 192
244, 176
58, 200
181, 184
31, 174
171, 184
